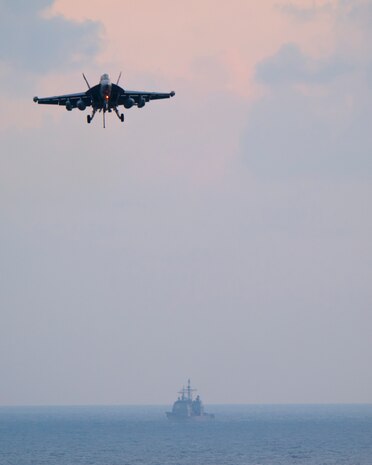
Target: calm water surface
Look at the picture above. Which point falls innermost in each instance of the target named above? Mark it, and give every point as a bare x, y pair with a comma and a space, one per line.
240, 435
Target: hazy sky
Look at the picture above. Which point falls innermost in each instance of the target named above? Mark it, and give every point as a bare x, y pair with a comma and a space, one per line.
223, 235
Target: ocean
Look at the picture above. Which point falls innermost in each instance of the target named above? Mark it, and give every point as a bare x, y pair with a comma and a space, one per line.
141, 435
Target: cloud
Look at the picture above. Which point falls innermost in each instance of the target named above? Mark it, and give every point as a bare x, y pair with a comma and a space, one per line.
36, 44
291, 134
322, 131
307, 13
289, 66
152, 226
314, 117
340, 10
284, 137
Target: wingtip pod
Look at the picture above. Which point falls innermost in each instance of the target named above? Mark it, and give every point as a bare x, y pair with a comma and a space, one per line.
172, 94
36, 99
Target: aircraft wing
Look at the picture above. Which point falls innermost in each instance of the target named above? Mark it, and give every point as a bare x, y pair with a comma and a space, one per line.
139, 95
62, 99
149, 95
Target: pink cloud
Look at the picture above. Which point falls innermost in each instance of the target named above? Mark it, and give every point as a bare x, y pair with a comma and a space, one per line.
163, 39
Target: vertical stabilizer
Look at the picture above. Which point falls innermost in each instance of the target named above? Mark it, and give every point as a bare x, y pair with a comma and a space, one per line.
117, 82
86, 80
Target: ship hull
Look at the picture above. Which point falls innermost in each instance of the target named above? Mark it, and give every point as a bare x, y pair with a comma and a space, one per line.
181, 418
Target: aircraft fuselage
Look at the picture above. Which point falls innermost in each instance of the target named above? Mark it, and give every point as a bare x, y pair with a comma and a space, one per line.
106, 87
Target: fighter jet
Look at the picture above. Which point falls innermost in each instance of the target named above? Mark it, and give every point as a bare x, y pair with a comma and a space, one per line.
104, 97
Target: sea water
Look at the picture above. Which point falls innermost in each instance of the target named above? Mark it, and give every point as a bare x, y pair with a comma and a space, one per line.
240, 435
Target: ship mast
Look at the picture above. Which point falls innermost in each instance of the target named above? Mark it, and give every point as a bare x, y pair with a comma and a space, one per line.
187, 392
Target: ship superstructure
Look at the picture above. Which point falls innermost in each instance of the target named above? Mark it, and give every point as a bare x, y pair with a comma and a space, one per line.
186, 407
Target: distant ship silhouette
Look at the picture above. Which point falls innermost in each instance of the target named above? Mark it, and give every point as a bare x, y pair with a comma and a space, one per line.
187, 408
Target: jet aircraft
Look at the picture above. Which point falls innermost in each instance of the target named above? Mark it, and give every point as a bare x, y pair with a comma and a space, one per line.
104, 97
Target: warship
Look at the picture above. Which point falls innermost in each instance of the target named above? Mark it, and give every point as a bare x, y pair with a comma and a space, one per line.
188, 408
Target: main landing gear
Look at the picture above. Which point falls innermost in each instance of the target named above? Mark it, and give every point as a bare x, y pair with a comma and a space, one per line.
119, 115
90, 117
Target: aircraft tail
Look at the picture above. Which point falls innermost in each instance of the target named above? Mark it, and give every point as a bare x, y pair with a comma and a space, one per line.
86, 80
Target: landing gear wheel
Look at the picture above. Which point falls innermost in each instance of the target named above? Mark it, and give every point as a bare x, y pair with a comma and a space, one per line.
89, 119
122, 117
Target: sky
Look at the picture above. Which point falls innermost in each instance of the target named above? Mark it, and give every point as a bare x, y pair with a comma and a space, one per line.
222, 235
